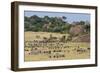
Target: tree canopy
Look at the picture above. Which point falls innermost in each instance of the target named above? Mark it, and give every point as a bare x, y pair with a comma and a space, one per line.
51, 24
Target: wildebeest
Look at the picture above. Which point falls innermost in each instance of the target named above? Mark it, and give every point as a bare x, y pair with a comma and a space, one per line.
81, 50
88, 48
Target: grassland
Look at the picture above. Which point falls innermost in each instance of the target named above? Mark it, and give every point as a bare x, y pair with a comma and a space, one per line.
54, 50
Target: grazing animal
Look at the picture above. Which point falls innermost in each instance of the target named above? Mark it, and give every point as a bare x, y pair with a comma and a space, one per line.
88, 48
81, 50
34, 51
44, 38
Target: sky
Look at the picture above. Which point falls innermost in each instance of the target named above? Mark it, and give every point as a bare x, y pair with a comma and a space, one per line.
71, 17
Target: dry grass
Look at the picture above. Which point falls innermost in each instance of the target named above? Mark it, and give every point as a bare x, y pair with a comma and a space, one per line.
30, 36
69, 52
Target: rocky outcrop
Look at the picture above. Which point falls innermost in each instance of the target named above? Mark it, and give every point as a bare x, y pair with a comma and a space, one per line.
82, 38
76, 30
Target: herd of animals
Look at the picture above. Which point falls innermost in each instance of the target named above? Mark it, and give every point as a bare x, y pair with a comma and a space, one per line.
53, 47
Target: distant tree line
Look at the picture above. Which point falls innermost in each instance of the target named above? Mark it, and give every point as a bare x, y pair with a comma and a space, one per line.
51, 24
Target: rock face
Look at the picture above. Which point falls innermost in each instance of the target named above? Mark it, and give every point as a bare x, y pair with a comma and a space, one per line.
82, 38
76, 30
78, 34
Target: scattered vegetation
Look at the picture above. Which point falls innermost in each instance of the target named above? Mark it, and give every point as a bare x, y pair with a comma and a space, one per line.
54, 24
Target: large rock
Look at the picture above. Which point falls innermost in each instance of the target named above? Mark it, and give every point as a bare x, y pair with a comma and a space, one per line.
76, 30
82, 38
